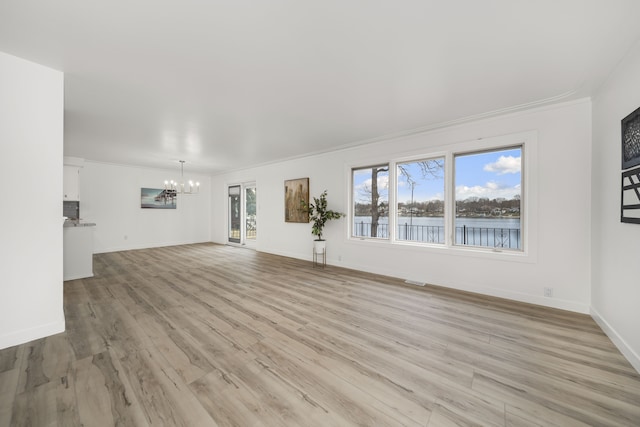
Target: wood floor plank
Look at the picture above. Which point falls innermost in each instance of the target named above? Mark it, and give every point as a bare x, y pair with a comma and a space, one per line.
66, 401
259, 391
229, 402
206, 334
104, 396
529, 368
608, 361
32, 373
81, 324
399, 399
187, 360
35, 407
8, 387
329, 391
10, 357
512, 420
165, 398
562, 400
523, 411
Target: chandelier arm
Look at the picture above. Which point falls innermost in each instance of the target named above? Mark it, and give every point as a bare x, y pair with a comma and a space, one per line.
179, 187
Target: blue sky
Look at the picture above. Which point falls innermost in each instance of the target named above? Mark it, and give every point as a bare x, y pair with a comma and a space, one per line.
492, 175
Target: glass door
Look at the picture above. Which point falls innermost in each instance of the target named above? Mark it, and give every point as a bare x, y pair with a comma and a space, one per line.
243, 215
235, 211
251, 219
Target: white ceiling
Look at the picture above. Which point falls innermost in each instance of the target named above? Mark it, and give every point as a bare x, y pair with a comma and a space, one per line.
230, 84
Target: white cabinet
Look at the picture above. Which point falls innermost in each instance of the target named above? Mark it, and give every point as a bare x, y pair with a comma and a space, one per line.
78, 251
71, 183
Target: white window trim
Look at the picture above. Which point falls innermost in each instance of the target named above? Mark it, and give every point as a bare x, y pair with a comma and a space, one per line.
351, 200
529, 197
394, 231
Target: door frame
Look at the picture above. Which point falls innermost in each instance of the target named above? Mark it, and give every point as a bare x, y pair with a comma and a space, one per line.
242, 241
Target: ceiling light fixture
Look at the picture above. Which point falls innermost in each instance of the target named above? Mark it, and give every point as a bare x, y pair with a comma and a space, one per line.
180, 187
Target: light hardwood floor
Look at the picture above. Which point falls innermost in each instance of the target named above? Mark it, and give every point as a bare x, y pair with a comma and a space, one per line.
215, 335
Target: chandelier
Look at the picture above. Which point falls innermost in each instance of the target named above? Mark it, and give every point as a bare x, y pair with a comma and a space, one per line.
180, 187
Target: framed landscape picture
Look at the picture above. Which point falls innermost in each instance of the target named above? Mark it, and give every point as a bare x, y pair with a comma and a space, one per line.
295, 190
158, 198
631, 140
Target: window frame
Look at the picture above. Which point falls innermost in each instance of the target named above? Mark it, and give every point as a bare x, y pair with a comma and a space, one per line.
413, 159
527, 141
522, 195
353, 201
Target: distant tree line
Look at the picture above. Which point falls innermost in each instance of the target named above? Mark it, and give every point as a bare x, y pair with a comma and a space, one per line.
472, 206
482, 206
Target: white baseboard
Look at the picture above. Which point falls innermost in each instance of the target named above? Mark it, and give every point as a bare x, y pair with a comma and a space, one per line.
499, 293
617, 340
26, 335
306, 257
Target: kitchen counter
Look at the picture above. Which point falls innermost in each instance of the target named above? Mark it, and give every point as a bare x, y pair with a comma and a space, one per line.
69, 223
78, 250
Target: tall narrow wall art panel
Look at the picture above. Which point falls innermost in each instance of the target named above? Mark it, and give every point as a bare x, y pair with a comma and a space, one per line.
295, 191
630, 194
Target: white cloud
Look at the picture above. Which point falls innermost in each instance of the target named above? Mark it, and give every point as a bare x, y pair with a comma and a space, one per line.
490, 190
364, 188
504, 165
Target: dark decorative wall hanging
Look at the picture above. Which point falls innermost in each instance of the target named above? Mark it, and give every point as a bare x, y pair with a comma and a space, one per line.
630, 206
630, 195
631, 140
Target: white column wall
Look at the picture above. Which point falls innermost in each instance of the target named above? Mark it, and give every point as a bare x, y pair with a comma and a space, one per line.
31, 138
560, 211
110, 197
616, 245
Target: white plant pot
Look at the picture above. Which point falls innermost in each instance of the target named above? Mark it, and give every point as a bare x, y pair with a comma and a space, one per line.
319, 246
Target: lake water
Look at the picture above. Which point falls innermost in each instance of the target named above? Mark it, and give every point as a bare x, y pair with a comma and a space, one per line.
490, 232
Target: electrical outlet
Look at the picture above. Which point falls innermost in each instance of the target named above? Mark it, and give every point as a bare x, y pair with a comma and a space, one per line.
548, 292
126, 237
339, 257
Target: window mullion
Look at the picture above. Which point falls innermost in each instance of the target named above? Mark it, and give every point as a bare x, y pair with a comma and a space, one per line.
392, 201
449, 200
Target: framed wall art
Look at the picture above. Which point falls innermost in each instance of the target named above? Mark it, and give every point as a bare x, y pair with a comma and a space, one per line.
158, 198
631, 140
630, 198
630, 185
295, 190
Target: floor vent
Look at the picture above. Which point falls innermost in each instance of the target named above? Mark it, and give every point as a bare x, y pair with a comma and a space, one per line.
414, 282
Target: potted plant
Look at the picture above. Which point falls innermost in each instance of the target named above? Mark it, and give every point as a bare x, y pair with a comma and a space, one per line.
319, 215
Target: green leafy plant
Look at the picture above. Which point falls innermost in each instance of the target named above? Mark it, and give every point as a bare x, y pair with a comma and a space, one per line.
319, 214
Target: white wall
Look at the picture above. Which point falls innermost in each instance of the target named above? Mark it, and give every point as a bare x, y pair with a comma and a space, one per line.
559, 255
110, 197
616, 245
31, 138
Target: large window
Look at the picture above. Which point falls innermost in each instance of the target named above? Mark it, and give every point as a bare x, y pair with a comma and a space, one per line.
371, 202
460, 198
420, 201
488, 193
